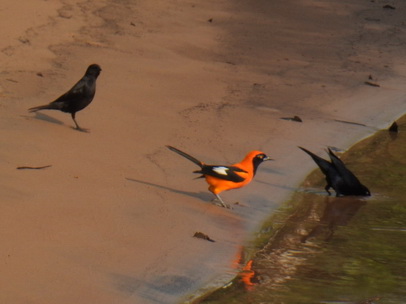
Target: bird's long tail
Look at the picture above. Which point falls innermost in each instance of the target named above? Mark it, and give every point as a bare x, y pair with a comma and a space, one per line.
323, 164
308, 152
51, 106
185, 155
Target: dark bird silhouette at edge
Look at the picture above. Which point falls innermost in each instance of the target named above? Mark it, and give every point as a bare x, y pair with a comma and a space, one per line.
338, 177
222, 178
77, 98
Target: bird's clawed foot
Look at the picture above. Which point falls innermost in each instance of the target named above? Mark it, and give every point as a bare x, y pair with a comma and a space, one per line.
77, 128
327, 188
219, 202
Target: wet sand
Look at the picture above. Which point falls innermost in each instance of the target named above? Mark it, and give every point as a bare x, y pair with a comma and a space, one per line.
112, 221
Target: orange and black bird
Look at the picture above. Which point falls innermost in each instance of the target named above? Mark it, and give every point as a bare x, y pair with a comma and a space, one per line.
221, 178
338, 176
78, 97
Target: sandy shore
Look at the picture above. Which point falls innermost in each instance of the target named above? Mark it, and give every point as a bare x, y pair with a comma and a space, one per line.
112, 220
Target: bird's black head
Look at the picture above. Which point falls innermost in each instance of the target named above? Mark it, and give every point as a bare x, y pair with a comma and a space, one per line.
257, 158
365, 191
356, 189
94, 70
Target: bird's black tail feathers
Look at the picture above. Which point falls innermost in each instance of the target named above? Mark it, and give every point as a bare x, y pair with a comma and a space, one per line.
323, 164
310, 153
185, 155
51, 106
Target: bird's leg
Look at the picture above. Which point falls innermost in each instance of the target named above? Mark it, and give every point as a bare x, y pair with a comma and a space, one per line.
327, 188
77, 126
74, 120
223, 204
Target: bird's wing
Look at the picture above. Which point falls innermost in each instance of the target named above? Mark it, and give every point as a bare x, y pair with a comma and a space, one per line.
348, 177
229, 173
77, 91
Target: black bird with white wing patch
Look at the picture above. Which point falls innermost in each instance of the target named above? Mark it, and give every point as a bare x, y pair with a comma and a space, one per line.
222, 178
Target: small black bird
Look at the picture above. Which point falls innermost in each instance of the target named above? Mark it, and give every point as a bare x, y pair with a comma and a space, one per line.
338, 177
78, 97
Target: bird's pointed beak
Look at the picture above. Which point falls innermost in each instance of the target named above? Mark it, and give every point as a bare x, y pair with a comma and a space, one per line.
267, 158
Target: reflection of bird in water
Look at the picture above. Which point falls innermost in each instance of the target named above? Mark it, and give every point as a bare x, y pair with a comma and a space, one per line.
337, 212
247, 275
338, 177
222, 178
78, 97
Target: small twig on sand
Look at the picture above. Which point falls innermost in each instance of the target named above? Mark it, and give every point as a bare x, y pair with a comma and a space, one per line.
35, 168
203, 236
294, 118
372, 84
350, 122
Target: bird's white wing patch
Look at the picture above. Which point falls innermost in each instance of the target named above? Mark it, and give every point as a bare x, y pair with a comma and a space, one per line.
221, 170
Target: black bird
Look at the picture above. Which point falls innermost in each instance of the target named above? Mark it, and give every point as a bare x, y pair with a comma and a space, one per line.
78, 97
338, 177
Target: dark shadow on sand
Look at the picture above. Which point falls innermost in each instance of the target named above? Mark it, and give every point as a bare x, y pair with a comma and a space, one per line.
45, 117
204, 196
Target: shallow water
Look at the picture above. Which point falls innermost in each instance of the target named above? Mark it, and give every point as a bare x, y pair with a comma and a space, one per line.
321, 249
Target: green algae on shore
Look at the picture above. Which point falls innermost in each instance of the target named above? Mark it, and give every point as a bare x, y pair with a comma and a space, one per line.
321, 249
